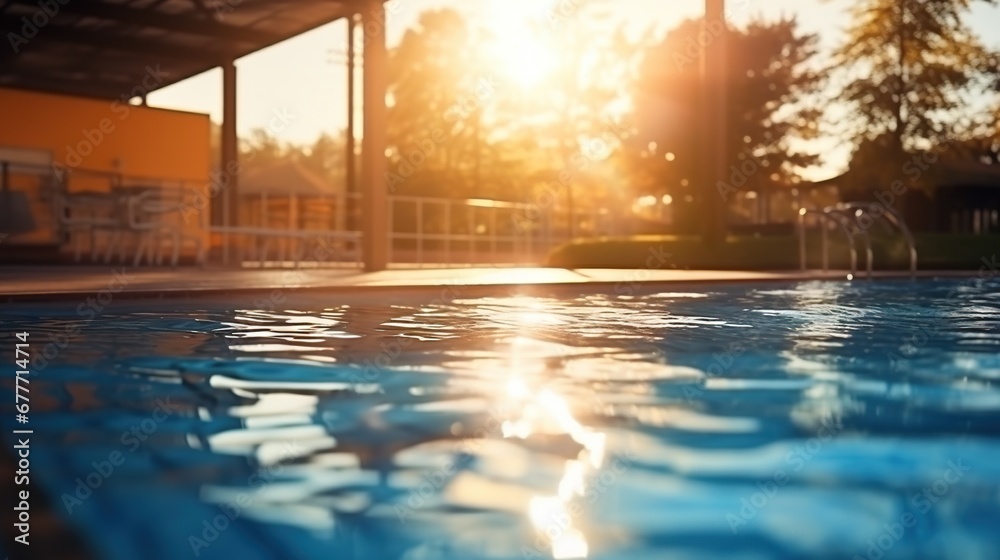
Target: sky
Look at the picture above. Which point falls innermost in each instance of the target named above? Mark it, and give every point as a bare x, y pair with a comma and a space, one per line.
297, 89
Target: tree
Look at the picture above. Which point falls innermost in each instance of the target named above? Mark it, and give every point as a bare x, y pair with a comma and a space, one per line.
771, 83
912, 66
569, 116
326, 158
983, 147
461, 126
983, 144
262, 148
438, 86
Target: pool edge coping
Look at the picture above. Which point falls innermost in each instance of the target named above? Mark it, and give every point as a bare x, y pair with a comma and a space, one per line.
627, 279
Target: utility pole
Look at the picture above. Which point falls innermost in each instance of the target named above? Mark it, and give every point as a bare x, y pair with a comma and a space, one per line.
350, 201
375, 237
901, 83
714, 111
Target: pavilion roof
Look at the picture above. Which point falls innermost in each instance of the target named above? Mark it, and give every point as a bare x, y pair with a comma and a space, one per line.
113, 48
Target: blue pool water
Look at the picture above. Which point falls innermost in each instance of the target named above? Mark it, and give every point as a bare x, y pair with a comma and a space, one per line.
809, 420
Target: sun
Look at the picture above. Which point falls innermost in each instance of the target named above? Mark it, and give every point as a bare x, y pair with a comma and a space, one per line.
523, 52
527, 61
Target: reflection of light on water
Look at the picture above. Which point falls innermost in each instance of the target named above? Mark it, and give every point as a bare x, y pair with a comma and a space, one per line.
548, 412
572, 481
517, 388
523, 426
569, 542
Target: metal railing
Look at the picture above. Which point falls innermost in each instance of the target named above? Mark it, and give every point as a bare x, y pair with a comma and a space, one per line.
835, 218
484, 230
136, 216
890, 217
139, 219
847, 216
423, 231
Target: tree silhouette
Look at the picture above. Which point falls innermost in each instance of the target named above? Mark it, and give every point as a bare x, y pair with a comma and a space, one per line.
460, 127
439, 85
770, 104
911, 67
326, 157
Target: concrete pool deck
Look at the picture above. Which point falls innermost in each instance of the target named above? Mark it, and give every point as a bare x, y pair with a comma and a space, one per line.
65, 282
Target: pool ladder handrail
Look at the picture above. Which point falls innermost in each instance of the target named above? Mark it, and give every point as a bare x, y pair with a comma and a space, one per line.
838, 217
889, 216
852, 212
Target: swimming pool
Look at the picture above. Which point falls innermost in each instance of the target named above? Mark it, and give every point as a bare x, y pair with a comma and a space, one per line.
798, 420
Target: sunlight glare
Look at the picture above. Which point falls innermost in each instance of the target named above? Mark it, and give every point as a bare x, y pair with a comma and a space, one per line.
542, 410
516, 388
571, 544
550, 515
524, 55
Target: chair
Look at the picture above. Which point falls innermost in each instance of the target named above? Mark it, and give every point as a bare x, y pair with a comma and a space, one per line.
16, 215
146, 213
89, 213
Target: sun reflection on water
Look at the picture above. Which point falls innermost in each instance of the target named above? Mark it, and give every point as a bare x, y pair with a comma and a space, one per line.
543, 411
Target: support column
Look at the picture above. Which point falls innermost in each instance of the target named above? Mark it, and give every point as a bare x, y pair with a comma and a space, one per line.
375, 232
230, 150
715, 158
351, 186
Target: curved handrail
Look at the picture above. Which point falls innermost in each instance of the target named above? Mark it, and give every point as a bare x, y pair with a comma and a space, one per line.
843, 228
852, 216
890, 215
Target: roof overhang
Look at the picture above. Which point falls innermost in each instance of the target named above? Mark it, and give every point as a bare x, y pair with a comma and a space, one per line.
114, 48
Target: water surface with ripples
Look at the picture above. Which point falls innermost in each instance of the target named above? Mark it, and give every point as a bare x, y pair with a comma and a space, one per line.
809, 420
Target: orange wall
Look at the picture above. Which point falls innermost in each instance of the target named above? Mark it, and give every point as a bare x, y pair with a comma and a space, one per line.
90, 134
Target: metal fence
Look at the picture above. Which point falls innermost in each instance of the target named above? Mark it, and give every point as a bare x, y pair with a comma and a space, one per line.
110, 217
423, 231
